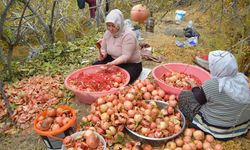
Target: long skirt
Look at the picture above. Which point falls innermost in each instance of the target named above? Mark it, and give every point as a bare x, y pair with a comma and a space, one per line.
188, 105
190, 108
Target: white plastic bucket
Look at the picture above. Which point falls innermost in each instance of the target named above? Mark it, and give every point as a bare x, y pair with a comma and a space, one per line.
180, 14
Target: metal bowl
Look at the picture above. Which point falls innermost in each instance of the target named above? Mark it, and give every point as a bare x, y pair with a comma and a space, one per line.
157, 141
77, 134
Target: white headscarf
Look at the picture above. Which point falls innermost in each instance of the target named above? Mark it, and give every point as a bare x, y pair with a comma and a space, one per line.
223, 66
115, 16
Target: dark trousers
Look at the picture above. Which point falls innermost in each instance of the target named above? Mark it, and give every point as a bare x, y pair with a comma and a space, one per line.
134, 69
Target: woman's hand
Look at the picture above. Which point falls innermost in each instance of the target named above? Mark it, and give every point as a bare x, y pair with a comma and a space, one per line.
191, 83
109, 64
101, 56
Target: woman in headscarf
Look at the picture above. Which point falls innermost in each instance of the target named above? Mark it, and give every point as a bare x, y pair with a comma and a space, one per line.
221, 106
119, 46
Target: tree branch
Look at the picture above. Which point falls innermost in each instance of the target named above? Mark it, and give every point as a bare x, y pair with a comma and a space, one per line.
15, 18
2, 20
20, 22
41, 20
9, 58
52, 19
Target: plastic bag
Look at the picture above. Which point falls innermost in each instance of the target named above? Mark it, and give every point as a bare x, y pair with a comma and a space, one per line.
190, 42
190, 32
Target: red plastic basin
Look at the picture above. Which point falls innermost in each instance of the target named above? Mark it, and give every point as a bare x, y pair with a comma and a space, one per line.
90, 97
198, 72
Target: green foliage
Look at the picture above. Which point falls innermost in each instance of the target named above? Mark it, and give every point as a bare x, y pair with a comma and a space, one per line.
60, 58
120, 139
88, 123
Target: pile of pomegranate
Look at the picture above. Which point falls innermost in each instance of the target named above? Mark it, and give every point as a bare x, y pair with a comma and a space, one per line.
87, 140
151, 121
31, 95
191, 140
54, 119
102, 80
110, 114
180, 80
132, 145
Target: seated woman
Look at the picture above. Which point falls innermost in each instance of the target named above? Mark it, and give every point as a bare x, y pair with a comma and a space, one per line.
221, 107
119, 46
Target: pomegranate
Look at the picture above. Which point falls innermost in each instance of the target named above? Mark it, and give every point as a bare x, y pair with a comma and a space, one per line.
51, 112
139, 13
218, 147
92, 140
199, 135
209, 138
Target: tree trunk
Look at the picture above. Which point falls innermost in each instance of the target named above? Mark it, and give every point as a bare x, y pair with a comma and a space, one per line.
11, 43
9, 59
51, 22
6, 101
107, 7
20, 23
2, 20
3, 60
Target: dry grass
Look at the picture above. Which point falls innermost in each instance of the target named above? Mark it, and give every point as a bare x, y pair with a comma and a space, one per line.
163, 45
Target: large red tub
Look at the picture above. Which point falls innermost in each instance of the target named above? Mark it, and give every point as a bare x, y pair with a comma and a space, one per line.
195, 71
89, 97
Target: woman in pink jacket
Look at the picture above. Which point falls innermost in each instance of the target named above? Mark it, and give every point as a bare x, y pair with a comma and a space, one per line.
119, 46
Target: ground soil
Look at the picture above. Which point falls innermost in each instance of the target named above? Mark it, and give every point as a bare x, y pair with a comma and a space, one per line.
163, 45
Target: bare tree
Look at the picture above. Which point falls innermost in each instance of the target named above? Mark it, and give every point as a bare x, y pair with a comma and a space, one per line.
2, 19
48, 29
18, 34
5, 38
8, 65
12, 42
